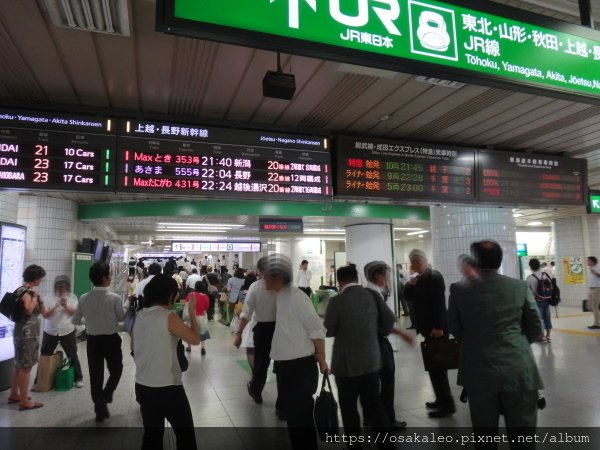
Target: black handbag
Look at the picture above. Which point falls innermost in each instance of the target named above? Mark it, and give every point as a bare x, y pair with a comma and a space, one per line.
440, 354
12, 306
326, 412
183, 361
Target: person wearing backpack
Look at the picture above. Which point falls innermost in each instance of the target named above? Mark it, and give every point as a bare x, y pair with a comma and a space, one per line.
540, 285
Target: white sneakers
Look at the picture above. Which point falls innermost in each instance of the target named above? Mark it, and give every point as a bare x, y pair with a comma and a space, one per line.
79, 384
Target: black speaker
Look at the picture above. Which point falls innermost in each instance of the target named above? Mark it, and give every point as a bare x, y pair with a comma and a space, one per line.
279, 85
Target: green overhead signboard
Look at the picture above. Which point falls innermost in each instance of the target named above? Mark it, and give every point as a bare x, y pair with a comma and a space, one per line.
404, 34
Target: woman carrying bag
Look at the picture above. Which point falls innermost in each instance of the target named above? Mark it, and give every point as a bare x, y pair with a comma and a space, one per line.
202, 304
158, 386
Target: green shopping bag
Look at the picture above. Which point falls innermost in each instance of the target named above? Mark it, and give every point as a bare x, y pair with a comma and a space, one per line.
65, 376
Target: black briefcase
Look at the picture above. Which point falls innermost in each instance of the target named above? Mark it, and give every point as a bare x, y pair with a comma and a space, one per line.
325, 412
440, 354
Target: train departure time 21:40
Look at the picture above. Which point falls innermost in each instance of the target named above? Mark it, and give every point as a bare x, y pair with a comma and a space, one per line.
188, 160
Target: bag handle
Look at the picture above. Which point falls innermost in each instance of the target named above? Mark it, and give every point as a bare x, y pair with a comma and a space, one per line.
66, 363
326, 380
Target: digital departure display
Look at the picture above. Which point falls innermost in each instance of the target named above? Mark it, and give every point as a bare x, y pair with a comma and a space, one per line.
280, 225
56, 152
195, 160
526, 178
404, 171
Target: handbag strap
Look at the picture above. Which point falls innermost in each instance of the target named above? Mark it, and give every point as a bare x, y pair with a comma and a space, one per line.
326, 380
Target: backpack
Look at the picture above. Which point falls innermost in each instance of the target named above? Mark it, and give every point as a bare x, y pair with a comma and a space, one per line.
555, 300
544, 290
12, 306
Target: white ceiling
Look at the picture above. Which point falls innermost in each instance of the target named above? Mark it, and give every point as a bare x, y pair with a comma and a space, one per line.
148, 72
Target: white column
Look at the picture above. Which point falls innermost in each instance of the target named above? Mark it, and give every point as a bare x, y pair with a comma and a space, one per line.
575, 237
371, 242
454, 228
51, 235
8, 206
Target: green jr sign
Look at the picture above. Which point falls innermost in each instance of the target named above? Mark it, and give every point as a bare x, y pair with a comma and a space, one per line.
404, 33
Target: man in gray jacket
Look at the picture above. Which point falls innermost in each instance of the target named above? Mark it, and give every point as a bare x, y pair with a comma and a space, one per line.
495, 319
356, 318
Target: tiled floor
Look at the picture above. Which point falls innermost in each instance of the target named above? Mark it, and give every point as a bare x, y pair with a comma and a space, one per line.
215, 385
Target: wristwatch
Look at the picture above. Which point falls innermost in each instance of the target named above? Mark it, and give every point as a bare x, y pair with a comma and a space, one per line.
238, 333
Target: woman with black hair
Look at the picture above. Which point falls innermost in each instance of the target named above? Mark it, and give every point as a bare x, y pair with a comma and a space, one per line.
26, 338
158, 386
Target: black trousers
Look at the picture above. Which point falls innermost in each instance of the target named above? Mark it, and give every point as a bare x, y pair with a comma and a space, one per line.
69, 344
387, 377
306, 290
441, 387
263, 335
210, 313
160, 403
299, 380
100, 348
367, 388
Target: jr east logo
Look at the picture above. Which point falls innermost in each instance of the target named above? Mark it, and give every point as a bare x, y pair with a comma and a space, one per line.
386, 12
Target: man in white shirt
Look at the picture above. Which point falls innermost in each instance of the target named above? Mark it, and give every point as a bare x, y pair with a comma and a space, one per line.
153, 269
298, 345
303, 278
263, 303
594, 285
377, 274
191, 281
102, 311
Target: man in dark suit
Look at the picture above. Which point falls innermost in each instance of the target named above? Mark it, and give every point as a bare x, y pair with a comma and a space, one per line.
427, 292
496, 319
356, 317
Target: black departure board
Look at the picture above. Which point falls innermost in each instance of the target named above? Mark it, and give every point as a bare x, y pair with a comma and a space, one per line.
531, 179
404, 171
280, 225
210, 161
53, 151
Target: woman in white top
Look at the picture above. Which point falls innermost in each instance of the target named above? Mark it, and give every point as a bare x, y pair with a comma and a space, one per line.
234, 286
303, 278
58, 311
158, 386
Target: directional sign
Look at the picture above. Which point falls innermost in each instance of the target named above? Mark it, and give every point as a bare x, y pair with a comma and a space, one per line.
595, 204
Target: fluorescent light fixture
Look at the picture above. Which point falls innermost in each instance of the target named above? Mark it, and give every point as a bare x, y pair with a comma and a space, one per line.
515, 215
195, 230
325, 230
203, 225
417, 232
535, 223
406, 229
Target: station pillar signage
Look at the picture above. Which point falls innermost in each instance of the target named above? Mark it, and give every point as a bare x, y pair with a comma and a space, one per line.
595, 203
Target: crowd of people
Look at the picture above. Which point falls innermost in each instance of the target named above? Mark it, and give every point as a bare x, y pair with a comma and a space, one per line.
494, 318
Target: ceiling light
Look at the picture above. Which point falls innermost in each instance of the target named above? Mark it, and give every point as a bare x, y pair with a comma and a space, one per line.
201, 225
417, 232
324, 231
535, 223
407, 229
194, 230
385, 117
517, 215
